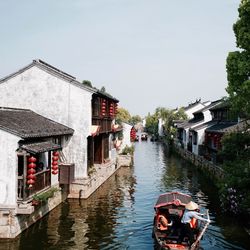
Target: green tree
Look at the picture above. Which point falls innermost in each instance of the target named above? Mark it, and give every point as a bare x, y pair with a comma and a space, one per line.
135, 119
152, 124
234, 191
122, 115
238, 63
168, 116
87, 82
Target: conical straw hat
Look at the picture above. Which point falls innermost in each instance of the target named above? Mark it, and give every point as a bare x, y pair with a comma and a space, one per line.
191, 205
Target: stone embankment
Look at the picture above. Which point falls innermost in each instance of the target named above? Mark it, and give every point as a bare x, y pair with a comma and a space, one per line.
199, 161
83, 188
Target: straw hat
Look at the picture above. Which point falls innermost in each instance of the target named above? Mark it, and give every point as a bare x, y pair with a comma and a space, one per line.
191, 205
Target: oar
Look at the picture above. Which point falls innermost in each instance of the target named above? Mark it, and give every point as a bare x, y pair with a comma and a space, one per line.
201, 234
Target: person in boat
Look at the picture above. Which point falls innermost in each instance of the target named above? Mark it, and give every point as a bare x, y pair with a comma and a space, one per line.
163, 222
189, 222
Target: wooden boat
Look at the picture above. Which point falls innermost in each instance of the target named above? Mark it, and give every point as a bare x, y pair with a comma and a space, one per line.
144, 137
173, 204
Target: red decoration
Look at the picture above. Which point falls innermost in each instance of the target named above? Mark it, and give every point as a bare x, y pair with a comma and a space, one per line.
55, 158
55, 162
55, 153
111, 109
32, 159
31, 171
132, 134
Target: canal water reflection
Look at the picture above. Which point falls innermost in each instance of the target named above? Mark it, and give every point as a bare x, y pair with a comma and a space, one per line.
119, 215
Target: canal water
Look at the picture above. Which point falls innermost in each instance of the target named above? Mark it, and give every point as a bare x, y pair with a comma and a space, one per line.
119, 215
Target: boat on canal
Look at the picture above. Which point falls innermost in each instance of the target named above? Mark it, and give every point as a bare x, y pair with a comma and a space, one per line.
144, 136
172, 206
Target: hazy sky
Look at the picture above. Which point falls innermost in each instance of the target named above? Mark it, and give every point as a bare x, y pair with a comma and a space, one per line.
147, 53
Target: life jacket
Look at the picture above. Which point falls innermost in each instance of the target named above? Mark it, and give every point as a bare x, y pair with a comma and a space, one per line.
160, 221
193, 223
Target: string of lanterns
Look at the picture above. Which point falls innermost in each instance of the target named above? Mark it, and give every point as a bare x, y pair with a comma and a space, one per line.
31, 171
54, 164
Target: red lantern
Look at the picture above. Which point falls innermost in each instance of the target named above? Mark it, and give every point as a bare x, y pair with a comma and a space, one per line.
55, 158
55, 162
32, 159
31, 171
31, 177
31, 165
55, 167
55, 153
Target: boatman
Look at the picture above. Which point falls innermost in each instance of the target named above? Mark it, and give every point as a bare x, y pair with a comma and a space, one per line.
189, 222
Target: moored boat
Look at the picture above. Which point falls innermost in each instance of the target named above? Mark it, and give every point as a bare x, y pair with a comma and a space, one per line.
144, 137
172, 206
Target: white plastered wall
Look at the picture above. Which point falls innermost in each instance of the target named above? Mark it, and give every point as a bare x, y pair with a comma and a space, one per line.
8, 168
57, 100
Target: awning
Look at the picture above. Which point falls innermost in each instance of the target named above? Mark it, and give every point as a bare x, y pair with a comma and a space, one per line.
40, 147
95, 130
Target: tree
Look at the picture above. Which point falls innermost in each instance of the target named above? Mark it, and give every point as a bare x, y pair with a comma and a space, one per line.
87, 82
234, 191
152, 124
122, 115
135, 119
238, 63
168, 116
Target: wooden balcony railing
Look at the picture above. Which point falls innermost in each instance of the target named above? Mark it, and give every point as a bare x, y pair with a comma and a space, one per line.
105, 124
43, 180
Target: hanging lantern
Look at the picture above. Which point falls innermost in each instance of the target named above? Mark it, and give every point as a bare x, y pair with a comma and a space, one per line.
31, 171
116, 108
103, 107
132, 134
55, 158
111, 109
54, 163
32, 159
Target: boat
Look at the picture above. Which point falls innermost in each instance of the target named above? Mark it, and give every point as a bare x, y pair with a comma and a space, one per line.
136, 138
144, 137
153, 138
173, 204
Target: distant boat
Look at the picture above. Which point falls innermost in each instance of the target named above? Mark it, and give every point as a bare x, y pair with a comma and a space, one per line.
173, 204
153, 138
136, 138
144, 137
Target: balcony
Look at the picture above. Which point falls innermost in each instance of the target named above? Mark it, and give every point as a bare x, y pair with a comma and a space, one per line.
104, 123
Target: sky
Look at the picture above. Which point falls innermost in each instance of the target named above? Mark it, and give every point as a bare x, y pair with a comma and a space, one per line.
146, 53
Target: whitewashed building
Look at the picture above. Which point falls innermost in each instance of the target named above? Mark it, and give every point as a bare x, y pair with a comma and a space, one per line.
183, 127
28, 165
61, 99
197, 132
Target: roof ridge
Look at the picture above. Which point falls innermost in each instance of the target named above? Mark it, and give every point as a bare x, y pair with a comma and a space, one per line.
47, 65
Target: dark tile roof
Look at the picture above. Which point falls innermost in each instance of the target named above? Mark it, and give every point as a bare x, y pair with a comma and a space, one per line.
211, 105
189, 124
40, 147
28, 124
221, 106
203, 125
221, 127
